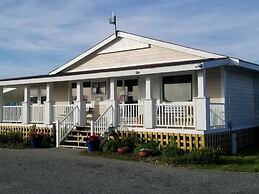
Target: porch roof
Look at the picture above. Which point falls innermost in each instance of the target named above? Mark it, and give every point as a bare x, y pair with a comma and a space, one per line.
115, 72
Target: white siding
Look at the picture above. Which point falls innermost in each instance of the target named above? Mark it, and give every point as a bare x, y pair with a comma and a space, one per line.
240, 91
257, 96
131, 57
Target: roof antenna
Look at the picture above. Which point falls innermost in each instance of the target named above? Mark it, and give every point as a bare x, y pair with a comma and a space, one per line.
113, 20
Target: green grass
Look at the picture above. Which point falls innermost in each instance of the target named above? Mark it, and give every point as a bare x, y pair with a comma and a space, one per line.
247, 160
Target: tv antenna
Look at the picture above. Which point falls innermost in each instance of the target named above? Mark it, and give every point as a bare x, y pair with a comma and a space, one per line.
113, 20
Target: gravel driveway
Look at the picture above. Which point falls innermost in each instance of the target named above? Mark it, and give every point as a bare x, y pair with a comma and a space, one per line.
66, 171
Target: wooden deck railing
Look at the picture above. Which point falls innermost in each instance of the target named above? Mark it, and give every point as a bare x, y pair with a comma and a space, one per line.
130, 114
37, 113
217, 115
12, 114
60, 111
175, 114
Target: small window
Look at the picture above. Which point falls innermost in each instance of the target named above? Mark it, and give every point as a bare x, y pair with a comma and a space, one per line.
177, 88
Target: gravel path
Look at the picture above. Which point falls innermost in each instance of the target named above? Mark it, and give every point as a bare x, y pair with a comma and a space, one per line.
66, 171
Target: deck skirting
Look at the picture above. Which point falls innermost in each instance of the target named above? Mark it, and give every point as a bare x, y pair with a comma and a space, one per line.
25, 129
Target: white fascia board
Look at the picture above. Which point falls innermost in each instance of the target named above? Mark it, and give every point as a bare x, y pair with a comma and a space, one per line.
85, 54
170, 45
216, 63
244, 64
114, 74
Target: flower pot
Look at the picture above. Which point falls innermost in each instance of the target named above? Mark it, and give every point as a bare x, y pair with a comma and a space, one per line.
93, 145
34, 142
144, 153
122, 150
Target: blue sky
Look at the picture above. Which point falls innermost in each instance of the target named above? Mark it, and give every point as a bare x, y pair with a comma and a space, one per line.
37, 36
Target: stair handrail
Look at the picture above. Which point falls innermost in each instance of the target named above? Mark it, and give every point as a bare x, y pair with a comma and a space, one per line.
63, 127
104, 122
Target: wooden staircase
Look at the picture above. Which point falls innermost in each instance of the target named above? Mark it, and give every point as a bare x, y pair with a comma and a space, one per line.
77, 137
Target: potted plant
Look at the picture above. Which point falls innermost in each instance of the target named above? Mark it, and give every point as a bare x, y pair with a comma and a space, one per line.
147, 149
143, 153
128, 144
123, 149
93, 143
33, 138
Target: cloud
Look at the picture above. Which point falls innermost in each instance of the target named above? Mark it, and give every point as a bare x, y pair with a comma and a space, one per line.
37, 36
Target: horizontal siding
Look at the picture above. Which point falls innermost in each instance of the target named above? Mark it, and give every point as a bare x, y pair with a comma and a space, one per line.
131, 58
240, 87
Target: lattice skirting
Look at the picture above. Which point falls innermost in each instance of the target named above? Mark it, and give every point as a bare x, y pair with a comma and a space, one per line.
245, 137
184, 141
222, 140
25, 130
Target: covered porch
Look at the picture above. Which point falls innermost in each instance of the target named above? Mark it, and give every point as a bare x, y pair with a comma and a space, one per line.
190, 100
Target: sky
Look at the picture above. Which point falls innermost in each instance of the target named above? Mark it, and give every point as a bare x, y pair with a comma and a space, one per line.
37, 36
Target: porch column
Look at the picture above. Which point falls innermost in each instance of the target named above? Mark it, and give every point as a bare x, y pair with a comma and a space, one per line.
149, 106
80, 103
26, 105
202, 103
113, 101
1, 104
48, 105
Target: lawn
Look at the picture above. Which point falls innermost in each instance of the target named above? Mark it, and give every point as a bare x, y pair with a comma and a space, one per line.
247, 160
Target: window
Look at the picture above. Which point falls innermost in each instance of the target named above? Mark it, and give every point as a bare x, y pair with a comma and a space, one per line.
87, 94
177, 88
99, 88
127, 91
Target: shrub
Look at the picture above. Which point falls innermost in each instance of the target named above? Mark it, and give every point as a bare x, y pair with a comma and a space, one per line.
203, 156
46, 141
152, 146
130, 142
11, 138
111, 145
171, 151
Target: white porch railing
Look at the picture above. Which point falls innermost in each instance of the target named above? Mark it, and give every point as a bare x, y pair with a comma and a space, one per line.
60, 111
37, 113
12, 114
175, 115
217, 115
104, 122
130, 114
66, 124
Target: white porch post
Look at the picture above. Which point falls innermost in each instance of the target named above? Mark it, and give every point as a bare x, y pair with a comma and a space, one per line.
149, 106
202, 103
1, 104
113, 101
26, 105
48, 105
80, 103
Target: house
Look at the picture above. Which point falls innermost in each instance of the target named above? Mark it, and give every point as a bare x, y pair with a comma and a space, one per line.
128, 83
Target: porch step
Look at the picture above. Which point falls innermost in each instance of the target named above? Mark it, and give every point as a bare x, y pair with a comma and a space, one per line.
69, 146
77, 137
74, 141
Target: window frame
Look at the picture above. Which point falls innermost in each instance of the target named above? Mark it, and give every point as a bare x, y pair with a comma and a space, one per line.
164, 100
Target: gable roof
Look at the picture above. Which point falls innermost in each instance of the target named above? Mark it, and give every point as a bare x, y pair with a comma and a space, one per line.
140, 39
